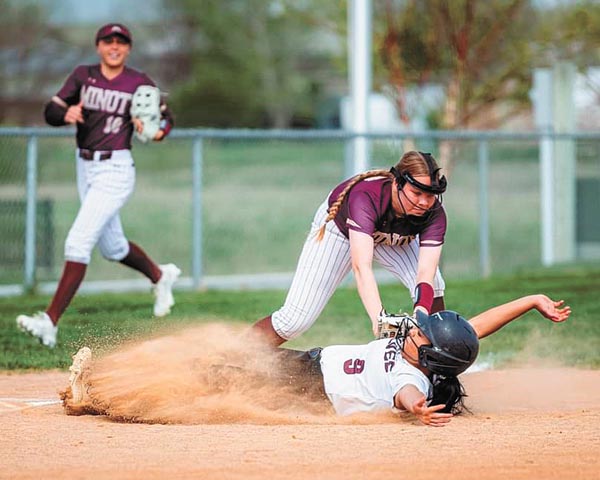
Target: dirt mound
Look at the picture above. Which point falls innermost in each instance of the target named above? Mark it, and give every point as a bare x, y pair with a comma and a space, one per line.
210, 374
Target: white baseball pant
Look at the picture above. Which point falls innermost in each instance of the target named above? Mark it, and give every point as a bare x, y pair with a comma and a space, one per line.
322, 267
104, 187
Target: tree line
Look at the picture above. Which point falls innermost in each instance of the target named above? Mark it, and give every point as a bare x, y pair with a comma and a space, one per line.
282, 63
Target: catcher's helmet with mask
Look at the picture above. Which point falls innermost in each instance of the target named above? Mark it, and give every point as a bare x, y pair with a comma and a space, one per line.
438, 183
454, 343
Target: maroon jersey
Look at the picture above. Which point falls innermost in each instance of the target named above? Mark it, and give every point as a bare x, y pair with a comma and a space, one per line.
367, 208
106, 103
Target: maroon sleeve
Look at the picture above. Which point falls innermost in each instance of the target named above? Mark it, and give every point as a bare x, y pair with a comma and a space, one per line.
54, 114
55, 109
433, 234
71, 90
362, 213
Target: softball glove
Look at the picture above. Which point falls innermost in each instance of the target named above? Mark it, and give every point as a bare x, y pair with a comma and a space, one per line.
145, 105
392, 324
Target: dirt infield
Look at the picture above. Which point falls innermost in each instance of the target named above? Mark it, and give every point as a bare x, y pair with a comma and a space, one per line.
531, 423
540, 423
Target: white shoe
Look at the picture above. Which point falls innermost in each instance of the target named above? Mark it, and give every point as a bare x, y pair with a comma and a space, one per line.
163, 290
79, 369
40, 326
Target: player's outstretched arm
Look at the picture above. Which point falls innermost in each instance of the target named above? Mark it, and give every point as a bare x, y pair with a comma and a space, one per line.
410, 398
495, 318
361, 252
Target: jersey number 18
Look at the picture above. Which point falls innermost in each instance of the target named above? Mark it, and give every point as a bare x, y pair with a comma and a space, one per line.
112, 125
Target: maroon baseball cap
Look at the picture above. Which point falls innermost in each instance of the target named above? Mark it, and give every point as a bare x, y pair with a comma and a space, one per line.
113, 29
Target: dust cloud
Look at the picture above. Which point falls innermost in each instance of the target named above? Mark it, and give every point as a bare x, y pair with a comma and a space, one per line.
211, 374
219, 374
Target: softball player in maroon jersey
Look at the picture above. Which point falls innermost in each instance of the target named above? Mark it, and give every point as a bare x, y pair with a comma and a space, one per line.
97, 98
395, 217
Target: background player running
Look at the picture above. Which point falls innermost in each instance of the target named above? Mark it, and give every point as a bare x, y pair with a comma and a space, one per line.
96, 98
395, 217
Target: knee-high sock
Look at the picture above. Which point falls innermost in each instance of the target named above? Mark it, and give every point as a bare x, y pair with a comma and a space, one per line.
140, 261
70, 280
264, 328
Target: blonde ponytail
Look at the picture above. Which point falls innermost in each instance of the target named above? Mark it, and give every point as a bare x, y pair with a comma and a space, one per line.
335, 206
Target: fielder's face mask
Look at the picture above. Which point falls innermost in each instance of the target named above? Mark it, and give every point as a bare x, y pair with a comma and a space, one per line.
438, 184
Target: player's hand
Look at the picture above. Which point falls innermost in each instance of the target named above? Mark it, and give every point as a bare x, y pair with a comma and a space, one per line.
375, 328
74, 113
138, 124
430, 415
159, 136
552, 310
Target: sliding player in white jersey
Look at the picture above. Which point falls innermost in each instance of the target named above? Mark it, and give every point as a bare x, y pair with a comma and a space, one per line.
415, 370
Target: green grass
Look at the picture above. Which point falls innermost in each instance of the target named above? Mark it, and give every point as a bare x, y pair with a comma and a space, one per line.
107, 320
259, 197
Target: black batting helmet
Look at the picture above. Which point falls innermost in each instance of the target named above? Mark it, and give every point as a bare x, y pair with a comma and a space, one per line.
454, 343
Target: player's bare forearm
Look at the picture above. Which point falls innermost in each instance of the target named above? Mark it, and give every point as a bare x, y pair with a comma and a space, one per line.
361, 252
412, 399
495, 318
429, 259
369, 294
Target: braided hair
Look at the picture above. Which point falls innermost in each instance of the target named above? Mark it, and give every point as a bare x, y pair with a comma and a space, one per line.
411, 162
335, 206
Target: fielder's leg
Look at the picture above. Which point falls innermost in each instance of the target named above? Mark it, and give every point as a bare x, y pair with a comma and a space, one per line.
68, 285
114, 246
264, 328
140, 261
321, 268
103, 190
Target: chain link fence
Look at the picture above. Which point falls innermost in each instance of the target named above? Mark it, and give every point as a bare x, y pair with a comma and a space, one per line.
232, 208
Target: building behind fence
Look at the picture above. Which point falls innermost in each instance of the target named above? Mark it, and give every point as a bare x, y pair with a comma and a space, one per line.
233, 208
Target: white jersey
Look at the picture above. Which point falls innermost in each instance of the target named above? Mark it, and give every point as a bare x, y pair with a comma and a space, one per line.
362, 378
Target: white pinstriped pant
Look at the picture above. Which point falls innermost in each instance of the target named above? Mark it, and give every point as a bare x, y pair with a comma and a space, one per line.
104, 186
322, 267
